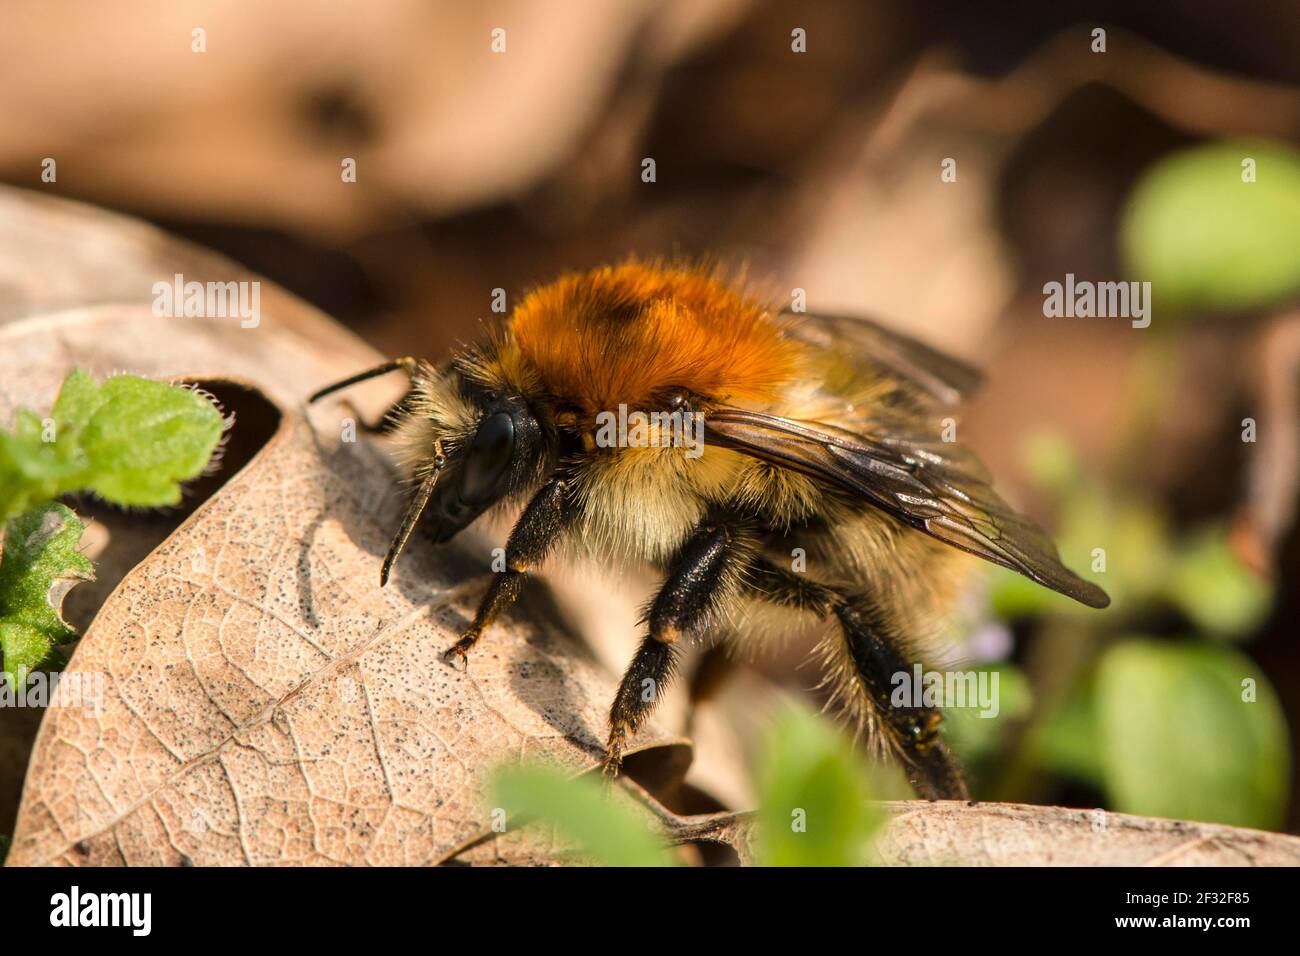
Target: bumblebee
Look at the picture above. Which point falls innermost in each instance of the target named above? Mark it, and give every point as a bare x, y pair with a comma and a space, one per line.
822, 440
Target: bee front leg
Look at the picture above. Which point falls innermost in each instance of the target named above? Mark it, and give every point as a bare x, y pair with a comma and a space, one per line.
704, 572
546, 515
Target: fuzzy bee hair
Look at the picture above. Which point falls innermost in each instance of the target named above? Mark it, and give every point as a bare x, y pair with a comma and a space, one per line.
821, 442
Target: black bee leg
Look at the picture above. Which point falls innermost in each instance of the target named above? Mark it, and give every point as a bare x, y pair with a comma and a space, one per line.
874, 655
544, 518
703, 571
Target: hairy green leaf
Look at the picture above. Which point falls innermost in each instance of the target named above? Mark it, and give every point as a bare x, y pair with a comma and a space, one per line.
131, 441
40, 549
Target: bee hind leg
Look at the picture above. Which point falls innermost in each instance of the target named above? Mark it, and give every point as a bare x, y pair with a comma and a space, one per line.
874, 656
705, 570
545, 516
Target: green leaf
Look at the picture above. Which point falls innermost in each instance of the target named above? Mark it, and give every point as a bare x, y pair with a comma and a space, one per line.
1205, 239
815, 804
146, 437
1214, 589
4, 848
40, 549
131, 441
1180, 738
79, 399
580, 808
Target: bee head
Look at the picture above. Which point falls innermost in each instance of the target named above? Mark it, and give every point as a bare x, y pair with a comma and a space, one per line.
467, 442
496, 452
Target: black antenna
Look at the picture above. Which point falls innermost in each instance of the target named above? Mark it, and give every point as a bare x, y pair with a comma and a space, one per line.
406, 362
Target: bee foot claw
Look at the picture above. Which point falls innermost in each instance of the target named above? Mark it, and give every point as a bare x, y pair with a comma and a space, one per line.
458, 652
613, 763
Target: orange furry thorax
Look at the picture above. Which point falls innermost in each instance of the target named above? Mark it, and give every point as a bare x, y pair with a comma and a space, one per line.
626, 334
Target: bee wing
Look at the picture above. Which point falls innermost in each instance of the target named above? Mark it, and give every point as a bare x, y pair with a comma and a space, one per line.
935, 487
941, 378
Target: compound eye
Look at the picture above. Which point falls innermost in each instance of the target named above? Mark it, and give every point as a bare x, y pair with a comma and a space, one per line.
488, 458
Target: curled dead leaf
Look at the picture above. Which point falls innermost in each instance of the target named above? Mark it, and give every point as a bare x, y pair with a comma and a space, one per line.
265, 702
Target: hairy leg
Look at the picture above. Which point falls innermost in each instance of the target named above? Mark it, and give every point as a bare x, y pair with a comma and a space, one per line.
544, 518
876, 655
705, 570
386, 423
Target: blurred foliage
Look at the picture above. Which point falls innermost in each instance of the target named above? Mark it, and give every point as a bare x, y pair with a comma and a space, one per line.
977, 738
607, 831
1215, 590
1180, 736
1206, 239
815, 804
1146, 565
1182, 727
1065, 740
1179, 729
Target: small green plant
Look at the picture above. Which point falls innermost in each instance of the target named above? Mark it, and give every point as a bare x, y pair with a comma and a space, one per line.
40, 548
608, 831
130, 441
815, 804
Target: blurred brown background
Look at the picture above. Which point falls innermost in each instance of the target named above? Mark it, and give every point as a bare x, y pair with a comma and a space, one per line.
819, 170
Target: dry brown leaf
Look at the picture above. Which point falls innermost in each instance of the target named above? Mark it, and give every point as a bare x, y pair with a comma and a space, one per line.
1016, 834
947, 833
265, 702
